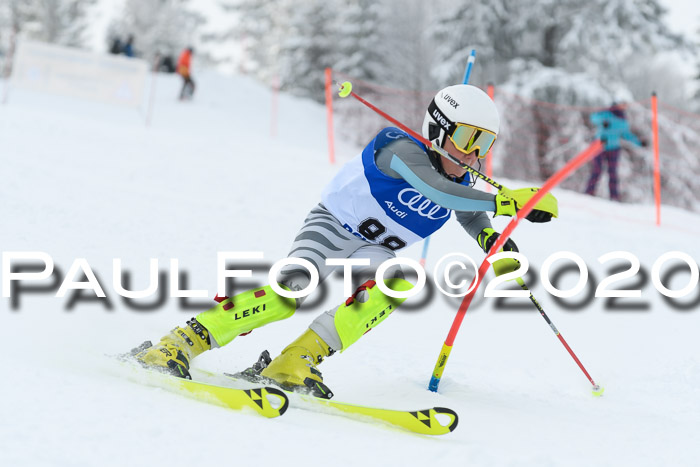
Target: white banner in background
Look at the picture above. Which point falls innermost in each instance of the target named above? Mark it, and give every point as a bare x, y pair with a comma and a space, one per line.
73, 72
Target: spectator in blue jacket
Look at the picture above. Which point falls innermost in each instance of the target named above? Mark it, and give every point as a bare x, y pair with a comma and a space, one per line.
128, 48
611, 129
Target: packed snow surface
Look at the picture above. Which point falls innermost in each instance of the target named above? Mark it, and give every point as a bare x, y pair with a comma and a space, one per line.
85, 181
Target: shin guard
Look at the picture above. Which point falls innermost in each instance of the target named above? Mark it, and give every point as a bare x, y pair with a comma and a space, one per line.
245, 312
367, 307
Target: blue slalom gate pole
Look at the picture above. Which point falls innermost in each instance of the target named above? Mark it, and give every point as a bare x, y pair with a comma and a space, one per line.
470, 64
424, 254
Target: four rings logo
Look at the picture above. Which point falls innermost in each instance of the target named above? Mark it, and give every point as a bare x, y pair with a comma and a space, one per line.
421, 205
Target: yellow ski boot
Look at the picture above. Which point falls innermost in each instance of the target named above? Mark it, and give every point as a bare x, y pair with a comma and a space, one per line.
295, 368
175, 350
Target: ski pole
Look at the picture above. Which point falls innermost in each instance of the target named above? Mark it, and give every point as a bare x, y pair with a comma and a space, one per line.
553, 181
597, 389
345, 90
465, 80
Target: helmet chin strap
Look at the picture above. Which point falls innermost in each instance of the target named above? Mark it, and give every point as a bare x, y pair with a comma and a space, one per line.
472, 179
460, 180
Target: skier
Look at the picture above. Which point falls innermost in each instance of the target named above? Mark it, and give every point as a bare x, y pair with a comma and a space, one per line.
611, 128
184, 69
396, 192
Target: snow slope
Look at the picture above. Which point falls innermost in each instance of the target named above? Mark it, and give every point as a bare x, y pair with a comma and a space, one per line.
80, 180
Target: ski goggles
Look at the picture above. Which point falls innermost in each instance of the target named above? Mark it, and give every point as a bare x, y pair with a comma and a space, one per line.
468, 138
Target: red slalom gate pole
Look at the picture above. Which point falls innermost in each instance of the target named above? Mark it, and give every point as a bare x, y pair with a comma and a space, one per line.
553, 181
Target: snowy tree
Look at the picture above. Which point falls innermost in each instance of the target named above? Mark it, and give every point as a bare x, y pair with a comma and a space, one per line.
55, 21
461, 26
406, 85
665, 74
12, 14
359, 43
217, 45
8, 30
259, 30
696, 99
407, 50
159, 27
600, 37
594, 37
381, 42
310, 45
61, 22
287, 42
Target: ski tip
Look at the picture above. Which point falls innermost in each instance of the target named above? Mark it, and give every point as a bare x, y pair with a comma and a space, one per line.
283, 400
454, 418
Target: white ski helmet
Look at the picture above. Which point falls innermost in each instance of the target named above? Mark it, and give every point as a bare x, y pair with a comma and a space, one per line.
466, 115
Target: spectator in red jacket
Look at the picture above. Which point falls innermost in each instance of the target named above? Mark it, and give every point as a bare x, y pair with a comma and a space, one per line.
184, 69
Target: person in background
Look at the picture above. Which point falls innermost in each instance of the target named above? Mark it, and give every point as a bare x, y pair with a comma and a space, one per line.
611, 129
128, 48
116, 47
166, 64
184, 69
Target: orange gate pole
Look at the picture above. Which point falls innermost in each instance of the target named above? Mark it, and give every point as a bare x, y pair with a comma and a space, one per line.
657, 171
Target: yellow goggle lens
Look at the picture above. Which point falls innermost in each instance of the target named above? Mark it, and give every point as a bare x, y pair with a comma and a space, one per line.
467, 138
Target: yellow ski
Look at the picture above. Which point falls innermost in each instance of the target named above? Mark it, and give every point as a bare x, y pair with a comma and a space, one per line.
432, 421
266, 401
425, 422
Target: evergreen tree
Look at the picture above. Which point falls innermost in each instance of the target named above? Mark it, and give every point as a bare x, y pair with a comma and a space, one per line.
595, 37
309, 46
259, 30
407, 52
61, 22
459, 27
359, 42
379, 42
696, 100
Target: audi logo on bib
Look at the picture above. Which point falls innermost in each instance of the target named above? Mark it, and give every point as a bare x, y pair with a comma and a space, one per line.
421, 205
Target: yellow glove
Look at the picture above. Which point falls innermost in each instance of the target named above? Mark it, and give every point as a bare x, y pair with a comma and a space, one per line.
486, 239
509, 202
